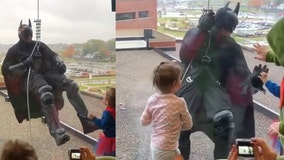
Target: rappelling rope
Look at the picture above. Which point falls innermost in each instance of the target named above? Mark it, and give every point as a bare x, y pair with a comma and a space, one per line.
36, 46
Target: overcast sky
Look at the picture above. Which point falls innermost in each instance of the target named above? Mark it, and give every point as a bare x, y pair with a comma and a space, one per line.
63, 21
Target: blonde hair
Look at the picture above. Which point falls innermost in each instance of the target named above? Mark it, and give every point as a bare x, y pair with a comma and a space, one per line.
18, 150
165, 75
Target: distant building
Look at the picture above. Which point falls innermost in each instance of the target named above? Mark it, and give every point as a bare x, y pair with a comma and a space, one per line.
281, 6
136, 26
136, 14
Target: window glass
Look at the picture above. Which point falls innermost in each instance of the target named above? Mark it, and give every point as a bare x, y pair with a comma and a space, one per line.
143, 14
125, 16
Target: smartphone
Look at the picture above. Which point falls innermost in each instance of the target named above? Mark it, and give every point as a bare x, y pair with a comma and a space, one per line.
244, 147
74, 154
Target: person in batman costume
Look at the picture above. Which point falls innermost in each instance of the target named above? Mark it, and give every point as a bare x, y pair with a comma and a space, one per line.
217, 83
45, 83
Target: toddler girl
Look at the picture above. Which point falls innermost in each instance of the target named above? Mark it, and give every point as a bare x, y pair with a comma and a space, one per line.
167, 112
106, 143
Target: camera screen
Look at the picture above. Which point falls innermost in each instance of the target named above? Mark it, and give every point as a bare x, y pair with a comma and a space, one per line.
245, 150
75, 155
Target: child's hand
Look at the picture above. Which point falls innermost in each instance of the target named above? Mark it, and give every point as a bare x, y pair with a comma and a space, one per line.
274, 129
263, 76
91, 116
261, 51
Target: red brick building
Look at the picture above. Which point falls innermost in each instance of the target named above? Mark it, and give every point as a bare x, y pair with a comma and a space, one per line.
133, 18
136, 14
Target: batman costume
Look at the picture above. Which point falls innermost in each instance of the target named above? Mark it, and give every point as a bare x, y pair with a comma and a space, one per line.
217, 83
46, 82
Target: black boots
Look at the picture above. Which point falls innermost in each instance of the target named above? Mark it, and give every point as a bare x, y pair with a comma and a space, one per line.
60, 136
51, 116
82, 112
87, 124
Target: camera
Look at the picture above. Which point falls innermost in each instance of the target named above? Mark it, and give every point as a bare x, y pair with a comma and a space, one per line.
74, 154
244, 147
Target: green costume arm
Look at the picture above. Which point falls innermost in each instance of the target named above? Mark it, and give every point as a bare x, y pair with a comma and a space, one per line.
281, 128
280, 157
271, 57
275, 39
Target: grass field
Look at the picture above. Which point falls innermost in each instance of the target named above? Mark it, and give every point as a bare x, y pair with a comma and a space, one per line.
180, 34
103, 82
85, 83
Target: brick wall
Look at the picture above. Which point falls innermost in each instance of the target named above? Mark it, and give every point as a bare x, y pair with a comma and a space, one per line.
124, 6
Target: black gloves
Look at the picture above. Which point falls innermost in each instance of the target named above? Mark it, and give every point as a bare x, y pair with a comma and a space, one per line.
255, 80
61, 67
59, 64
26, 63
29, 61
206, 21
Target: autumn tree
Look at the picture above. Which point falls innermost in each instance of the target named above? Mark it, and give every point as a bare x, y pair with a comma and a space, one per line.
69, 52
255, 3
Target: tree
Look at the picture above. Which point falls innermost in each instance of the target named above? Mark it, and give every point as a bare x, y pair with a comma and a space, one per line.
103, 50
277, 2
69, 52
255, 3
111, 44
93, 46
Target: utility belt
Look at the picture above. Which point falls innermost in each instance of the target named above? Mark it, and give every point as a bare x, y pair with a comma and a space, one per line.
202, 86
203, 61
204, 65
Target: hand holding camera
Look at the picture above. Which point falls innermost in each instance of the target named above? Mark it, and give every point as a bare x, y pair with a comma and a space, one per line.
245, 148
262, 150
74, 154
86, 154
255, 147
83, 153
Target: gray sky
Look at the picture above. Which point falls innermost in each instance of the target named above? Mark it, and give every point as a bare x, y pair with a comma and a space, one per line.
63, 21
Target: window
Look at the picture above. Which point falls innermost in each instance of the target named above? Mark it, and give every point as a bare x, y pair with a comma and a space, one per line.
143, 14
125, 16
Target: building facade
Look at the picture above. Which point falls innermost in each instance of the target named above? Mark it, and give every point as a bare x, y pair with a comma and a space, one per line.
136, 14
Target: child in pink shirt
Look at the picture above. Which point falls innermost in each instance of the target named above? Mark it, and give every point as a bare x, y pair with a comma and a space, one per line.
167, 112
